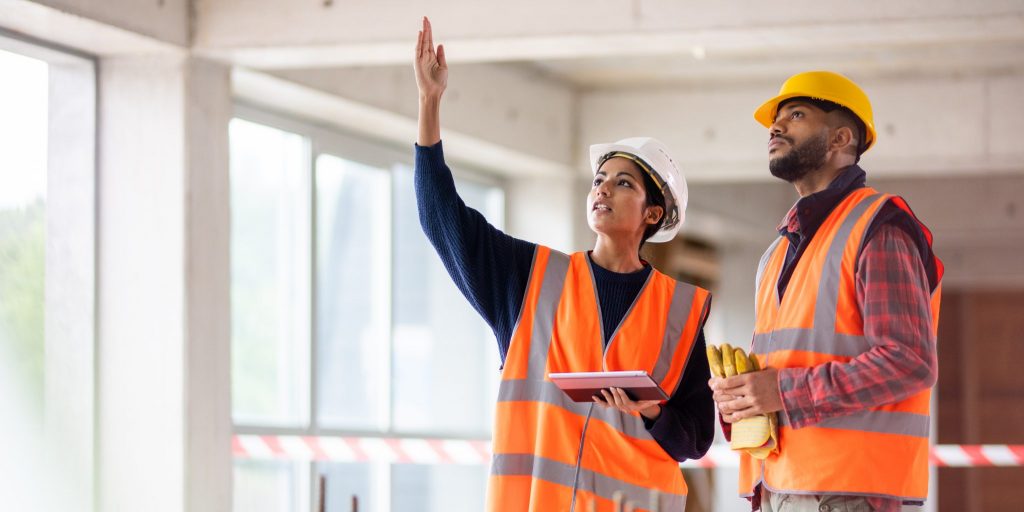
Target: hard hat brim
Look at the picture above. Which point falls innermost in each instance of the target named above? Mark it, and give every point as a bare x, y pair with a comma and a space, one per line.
765, 114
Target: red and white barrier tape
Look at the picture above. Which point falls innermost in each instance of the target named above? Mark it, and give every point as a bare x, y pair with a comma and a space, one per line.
448, 451
362, 449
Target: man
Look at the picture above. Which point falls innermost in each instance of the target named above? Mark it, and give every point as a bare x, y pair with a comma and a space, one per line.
846, 309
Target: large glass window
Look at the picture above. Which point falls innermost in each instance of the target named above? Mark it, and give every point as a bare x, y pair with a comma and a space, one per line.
47, 275
270, 269
23, 145
345, 322
270, 486
353, 293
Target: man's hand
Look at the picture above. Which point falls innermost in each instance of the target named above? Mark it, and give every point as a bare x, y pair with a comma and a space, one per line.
617, 398
747, 395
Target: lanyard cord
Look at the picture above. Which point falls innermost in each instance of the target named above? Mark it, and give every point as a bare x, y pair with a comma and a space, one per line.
579, 459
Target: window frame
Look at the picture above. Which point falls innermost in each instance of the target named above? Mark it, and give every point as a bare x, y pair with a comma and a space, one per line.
327, 140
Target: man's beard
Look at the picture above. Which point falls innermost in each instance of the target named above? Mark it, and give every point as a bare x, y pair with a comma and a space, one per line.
801, 159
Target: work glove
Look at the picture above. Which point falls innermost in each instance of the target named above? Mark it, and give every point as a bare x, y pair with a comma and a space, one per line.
757, 435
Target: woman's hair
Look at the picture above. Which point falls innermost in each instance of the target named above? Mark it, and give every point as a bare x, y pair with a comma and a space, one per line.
654, 198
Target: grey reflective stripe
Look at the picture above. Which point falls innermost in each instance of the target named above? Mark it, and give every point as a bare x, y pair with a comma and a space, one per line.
808, 340
872, 221
764, 263
828, 286
883, 422
526, 292
528, 390
604, 486
678, 314
544, 315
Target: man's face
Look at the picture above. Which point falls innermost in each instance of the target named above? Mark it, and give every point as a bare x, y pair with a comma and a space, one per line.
798, 141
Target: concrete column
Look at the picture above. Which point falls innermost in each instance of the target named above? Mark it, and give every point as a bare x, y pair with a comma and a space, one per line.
163, 356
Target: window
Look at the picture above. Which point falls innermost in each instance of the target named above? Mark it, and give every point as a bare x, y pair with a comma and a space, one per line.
353, 281
270, 268
346, 325
47, 281
23, 143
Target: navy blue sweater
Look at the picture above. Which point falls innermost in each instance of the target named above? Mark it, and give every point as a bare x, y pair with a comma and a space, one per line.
492, 269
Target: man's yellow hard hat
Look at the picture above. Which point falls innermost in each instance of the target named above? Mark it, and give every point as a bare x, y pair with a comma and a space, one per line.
822, 85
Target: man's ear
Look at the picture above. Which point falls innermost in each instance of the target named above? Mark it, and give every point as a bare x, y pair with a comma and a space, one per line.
842, 137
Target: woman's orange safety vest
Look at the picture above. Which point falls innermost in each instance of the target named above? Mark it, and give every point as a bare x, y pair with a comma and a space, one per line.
881, 452
537, 427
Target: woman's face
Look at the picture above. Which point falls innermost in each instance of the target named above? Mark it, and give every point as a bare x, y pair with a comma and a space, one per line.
617, 202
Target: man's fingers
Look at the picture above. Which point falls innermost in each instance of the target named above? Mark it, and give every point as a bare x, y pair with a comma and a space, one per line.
731, 383
721, 397
725, 383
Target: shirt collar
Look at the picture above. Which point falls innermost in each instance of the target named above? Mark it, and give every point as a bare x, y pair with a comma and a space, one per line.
809, 212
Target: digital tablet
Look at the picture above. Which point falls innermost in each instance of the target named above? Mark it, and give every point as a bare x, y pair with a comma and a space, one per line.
582, 386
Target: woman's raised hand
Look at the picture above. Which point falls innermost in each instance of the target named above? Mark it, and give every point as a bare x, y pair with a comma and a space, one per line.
430, 65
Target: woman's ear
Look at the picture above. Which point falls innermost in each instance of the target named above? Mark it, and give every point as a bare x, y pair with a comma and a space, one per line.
653, 214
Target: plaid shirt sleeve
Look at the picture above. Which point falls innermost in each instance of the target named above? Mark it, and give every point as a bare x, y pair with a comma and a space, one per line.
895, 301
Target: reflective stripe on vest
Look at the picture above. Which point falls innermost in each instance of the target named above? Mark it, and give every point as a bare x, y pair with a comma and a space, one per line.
879, 452
597, 483
537, 427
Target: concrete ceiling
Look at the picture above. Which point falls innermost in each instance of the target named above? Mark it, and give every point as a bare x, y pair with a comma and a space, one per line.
534, 81
699, 67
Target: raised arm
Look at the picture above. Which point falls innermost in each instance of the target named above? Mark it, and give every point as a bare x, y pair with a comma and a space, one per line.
431, 80
489, 267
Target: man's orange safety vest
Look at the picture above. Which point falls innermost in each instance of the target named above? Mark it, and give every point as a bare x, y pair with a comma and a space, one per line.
880, 452
537, 427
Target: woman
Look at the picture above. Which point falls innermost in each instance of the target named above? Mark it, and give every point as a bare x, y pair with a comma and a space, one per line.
604, 309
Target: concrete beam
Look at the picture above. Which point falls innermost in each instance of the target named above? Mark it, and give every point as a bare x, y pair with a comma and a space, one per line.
493, 119
272, 34
512, 106
927, 127
102, 29
163, 20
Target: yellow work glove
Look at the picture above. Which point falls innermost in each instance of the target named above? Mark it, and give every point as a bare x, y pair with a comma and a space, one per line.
758, 435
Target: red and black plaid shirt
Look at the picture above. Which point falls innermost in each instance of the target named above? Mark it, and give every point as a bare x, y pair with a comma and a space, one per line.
894, 285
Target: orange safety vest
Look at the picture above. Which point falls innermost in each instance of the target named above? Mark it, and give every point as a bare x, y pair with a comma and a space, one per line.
880, 452
537, 427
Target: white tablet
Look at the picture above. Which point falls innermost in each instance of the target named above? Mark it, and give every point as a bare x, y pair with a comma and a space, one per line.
582, 386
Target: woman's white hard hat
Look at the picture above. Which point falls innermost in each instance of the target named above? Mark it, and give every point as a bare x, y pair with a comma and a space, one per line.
653, 158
